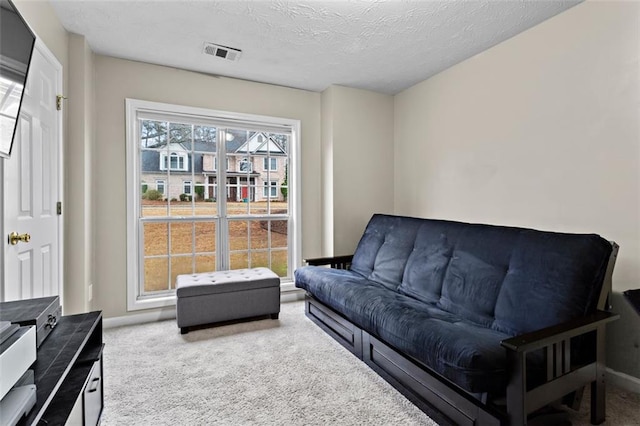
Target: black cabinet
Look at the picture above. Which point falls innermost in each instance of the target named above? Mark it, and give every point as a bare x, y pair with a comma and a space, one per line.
68, 373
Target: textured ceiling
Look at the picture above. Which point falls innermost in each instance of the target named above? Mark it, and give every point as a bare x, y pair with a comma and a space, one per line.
384, 46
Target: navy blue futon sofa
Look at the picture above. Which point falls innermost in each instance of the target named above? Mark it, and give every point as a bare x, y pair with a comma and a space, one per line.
475, 324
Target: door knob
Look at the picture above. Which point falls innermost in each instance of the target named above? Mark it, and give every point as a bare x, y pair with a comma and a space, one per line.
15, 238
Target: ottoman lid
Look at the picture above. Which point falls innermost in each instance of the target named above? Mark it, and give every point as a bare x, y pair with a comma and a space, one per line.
225, 281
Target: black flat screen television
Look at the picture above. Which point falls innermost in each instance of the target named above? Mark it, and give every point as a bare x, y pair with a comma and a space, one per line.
16, 48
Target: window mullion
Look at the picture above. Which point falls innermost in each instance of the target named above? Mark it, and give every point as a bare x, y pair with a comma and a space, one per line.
269, 243
222, 244
167, 189
193, 195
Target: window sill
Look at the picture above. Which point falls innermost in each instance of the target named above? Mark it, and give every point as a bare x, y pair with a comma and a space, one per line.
152, 302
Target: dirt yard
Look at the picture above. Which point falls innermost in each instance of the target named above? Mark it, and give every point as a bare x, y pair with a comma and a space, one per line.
191, 246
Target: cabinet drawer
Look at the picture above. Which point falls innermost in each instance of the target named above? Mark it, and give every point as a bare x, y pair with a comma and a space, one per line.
92, 395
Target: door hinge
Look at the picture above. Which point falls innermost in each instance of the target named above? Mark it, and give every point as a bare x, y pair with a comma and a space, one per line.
59, 207
59, 99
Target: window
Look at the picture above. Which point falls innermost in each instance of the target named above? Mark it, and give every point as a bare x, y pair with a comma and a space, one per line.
160, 186
207, 231
245, 166
173, 161
270, 163
270, 189
215, 163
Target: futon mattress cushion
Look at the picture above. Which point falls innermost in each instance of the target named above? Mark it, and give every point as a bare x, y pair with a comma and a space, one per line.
467, 354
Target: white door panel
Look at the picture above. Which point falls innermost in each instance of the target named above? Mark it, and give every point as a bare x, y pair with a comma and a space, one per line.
32, 185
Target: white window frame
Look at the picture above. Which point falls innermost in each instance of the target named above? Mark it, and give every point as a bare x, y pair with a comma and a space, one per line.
215, 163
267, 162
268, 187
134, 107
163, 183
245, 160
165, 160
186, 187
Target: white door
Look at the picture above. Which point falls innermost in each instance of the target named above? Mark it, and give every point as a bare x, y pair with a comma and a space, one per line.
32, 187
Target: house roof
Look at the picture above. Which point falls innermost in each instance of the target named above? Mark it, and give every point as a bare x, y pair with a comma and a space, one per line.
260, 143
150, 161
257, 143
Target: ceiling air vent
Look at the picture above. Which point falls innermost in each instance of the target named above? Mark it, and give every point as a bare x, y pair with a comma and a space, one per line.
222, 52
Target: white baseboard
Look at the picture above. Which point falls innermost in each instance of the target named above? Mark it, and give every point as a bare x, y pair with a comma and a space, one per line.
142, 318
290, 294
624, 381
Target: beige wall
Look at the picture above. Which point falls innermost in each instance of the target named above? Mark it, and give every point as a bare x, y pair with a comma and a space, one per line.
540, 131
357, 144
78, 208
117, 79
327, 171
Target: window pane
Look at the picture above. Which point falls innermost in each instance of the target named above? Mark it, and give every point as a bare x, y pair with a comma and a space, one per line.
279, 262
180, 134
205, 237
259, 234
180, 265
279, 233
279, 145
155, 207
260, 259
239, 260
237, 207
152, 183
153, 134
261, 206
155, 239
238, 235
180, 209
182, 238
205, 135
156, 274
205, 263
205, 205
199, 190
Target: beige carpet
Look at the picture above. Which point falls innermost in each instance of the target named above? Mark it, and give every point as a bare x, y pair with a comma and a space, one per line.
284, 372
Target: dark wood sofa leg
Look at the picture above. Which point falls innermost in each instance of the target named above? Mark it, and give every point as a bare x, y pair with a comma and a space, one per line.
597, 402
275, 316
184, 330
517, 388
598, 387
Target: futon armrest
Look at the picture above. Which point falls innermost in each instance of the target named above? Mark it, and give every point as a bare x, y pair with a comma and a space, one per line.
547, 336
337, 262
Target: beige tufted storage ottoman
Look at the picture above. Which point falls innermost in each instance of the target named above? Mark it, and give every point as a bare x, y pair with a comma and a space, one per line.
226, 295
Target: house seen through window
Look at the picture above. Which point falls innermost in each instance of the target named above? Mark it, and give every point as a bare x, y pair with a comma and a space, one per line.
185, 226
